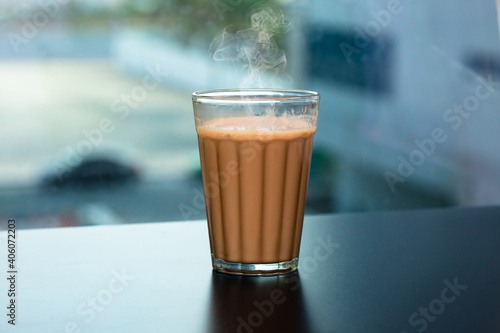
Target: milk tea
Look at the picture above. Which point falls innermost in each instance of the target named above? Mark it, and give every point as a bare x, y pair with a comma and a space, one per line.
255, 172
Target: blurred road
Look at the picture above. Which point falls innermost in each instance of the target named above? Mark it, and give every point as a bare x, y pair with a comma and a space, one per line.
49, 109
53, 112
175, 200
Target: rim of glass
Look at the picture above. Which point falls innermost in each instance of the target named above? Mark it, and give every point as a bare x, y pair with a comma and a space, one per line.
254, 94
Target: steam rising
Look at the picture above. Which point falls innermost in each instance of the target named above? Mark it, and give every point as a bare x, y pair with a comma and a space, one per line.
254, 50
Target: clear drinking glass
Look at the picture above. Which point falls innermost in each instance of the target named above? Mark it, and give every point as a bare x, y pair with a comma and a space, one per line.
255, 151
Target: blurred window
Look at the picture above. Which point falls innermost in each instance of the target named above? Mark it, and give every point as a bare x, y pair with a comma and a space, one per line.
97, 123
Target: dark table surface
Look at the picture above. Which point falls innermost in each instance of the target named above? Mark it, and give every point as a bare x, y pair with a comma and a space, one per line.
411, 271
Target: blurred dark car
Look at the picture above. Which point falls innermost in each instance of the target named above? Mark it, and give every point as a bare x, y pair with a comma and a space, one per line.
93, 172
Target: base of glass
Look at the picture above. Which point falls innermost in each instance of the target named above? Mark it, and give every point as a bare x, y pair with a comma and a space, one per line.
236, 268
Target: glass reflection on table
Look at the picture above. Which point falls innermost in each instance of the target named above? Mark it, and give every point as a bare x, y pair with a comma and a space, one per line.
253, 304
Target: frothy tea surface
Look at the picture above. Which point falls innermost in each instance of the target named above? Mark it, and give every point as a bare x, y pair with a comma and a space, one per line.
264, 127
